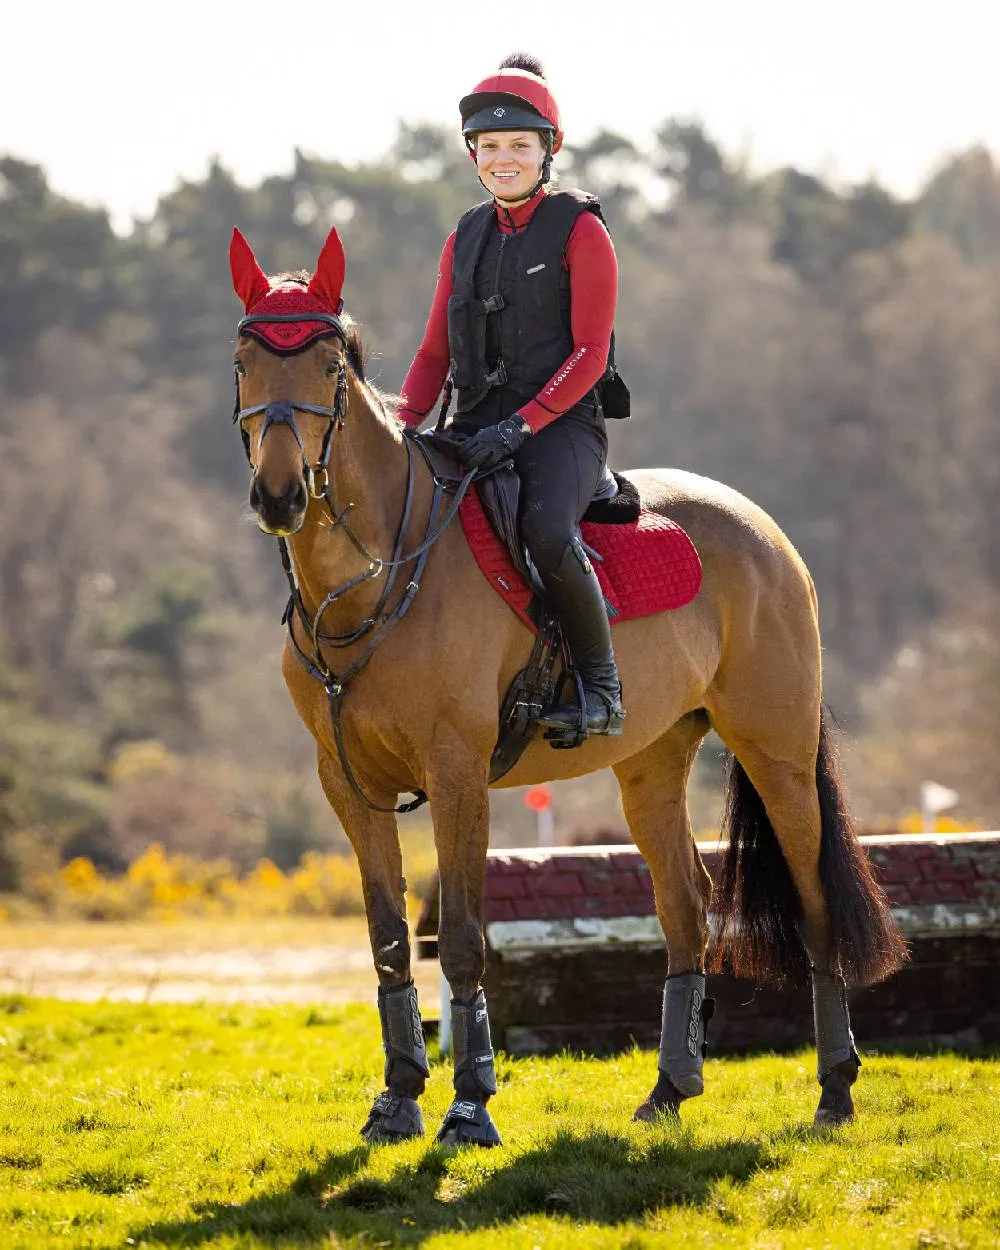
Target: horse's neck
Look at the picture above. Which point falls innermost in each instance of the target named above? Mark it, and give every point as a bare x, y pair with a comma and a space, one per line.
368, 471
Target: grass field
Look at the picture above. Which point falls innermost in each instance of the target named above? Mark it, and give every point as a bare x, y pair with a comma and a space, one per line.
163, 1125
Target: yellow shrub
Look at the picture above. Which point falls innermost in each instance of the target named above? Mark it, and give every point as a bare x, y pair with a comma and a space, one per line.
167, 887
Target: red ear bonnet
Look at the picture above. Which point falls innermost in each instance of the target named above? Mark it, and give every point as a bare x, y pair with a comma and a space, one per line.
249, 280
295, 304
328, 280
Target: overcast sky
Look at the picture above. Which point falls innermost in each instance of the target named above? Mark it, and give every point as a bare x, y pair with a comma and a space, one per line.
118, 101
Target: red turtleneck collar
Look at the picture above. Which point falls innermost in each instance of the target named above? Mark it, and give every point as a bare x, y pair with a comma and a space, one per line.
513, 219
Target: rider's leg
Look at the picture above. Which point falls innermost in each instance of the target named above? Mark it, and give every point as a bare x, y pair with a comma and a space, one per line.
559, 468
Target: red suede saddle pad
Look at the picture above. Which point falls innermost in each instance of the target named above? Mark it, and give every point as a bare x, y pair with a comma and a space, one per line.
646, 566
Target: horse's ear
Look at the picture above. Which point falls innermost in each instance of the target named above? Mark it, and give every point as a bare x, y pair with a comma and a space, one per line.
328, 280
249, 280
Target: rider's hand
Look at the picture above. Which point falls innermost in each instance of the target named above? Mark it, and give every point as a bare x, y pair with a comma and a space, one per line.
494, 444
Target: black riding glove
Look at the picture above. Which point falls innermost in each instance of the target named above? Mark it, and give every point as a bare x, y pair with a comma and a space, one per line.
496, 443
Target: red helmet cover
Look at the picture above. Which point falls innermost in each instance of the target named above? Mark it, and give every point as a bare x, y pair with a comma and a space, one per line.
522, 85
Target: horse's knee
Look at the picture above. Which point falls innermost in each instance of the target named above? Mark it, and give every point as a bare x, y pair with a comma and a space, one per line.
390, 939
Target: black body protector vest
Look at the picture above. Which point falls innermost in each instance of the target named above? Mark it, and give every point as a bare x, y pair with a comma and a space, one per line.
509, 313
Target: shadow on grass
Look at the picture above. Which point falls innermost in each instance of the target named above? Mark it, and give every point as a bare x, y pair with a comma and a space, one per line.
598, 1177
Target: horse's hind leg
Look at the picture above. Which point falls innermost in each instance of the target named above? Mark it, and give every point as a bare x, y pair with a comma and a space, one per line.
374, 836
653, 785
793, 929
797, 894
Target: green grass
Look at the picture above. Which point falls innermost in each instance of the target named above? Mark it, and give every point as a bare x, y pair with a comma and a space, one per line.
124, 1124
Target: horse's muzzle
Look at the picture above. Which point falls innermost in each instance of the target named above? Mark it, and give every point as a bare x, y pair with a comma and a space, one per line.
279, 515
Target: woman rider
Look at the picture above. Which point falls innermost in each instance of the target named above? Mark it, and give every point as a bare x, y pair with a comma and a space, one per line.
522, 317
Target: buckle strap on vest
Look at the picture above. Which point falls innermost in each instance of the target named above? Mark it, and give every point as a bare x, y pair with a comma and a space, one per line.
495, 303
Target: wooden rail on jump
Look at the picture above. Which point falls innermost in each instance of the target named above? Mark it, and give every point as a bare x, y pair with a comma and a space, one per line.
575, 956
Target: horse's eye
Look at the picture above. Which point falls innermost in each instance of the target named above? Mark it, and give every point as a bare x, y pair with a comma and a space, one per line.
332, 368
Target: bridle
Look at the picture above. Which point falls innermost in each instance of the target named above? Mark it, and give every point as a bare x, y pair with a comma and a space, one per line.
380, 621
282, 413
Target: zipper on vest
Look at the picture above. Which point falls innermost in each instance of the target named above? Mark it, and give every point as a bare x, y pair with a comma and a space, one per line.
496, 275
498, 376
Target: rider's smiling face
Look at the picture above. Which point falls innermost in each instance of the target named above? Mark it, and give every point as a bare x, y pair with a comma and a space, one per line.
509, 162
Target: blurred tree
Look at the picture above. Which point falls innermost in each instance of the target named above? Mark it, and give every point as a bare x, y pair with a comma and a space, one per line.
612, 168
816, 230
962, 202
57, 269
693, 164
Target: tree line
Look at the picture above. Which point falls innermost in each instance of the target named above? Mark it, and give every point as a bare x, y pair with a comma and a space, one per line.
830, 351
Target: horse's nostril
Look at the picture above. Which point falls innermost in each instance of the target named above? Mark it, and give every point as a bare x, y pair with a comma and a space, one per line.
295, 497
254, 495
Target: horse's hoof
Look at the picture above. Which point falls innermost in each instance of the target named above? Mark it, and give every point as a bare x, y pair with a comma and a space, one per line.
836, 1106
468, 1124
393, 1118
663, 1104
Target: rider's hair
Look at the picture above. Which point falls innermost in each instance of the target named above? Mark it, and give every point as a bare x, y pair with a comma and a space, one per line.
523, 60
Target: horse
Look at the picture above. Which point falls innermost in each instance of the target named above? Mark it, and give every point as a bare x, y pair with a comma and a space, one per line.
400, 681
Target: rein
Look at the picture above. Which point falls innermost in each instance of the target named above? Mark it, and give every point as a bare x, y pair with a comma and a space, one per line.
380, 623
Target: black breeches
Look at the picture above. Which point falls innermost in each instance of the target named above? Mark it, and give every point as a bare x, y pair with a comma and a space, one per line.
559, 468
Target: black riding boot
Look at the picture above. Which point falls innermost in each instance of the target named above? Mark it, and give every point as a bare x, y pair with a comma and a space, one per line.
574, 595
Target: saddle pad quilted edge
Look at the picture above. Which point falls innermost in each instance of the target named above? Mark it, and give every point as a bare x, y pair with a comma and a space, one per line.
648, 566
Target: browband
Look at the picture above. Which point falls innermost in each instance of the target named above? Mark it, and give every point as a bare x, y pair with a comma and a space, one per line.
329, 318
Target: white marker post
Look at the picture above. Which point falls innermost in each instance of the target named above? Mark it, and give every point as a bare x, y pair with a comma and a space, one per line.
539, 800
444, 1021
934, 798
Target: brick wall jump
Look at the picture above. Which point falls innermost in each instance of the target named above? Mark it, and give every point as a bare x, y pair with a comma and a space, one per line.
575, 955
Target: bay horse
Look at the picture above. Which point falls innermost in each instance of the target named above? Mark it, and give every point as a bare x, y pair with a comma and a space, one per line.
400, 680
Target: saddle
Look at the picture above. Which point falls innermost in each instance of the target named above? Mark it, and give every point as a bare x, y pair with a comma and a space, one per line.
535, 690
643, 576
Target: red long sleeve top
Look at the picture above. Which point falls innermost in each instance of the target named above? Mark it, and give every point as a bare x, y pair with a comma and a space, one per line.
593, 269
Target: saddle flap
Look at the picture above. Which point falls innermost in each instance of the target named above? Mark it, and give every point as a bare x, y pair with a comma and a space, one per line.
500, 493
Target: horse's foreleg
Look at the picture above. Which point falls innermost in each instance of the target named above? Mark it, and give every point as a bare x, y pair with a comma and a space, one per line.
653, 785
375, 838
460, 809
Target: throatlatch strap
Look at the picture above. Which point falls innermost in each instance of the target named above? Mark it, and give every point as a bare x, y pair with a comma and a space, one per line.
686, 1013
402, 1032
473, 1051
834, 1039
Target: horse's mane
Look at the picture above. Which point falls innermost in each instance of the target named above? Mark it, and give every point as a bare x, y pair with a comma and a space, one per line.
357, 350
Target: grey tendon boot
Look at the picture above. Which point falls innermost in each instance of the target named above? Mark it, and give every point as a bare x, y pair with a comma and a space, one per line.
395, 1114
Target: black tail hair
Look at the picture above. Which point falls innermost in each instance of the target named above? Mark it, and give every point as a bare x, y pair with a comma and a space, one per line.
523, 60
757, 906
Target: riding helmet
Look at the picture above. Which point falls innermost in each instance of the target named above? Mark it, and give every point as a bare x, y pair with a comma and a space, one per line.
516, 97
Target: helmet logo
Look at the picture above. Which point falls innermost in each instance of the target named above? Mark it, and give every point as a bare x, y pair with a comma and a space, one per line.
499, 112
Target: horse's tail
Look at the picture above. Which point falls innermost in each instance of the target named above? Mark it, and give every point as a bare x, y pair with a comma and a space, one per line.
757, 907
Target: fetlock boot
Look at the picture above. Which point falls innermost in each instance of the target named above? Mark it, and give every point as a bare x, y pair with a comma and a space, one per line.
574, 594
